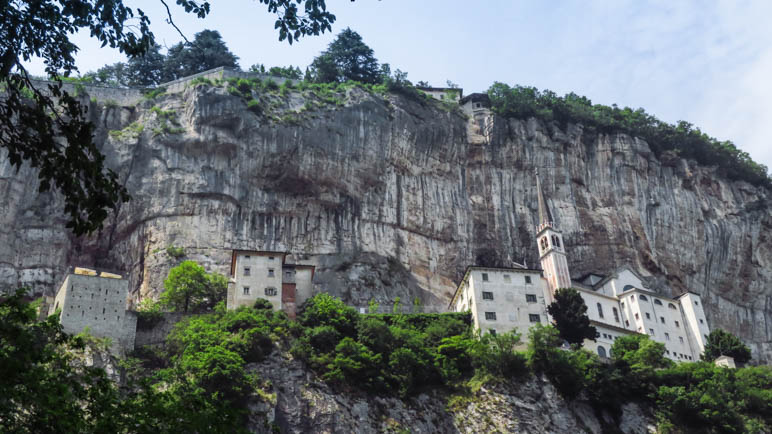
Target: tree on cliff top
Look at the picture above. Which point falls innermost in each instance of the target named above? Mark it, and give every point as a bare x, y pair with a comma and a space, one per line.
48, 128
570, 315
346, 58
721, 343
207, 51
189, 288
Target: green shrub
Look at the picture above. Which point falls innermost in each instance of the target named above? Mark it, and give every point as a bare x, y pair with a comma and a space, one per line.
175, 252
154, 93
270, 85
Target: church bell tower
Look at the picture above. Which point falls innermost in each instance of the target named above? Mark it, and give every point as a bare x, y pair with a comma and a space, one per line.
552, 254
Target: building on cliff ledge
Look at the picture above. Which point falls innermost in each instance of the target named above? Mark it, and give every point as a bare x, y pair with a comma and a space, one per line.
264, 274
97, 301
618, 304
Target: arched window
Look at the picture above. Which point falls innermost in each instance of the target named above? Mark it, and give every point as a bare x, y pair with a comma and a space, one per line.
627, 288
555, 241
672, 306
600, 310
544, 243
656, 301
643, 298
601, 351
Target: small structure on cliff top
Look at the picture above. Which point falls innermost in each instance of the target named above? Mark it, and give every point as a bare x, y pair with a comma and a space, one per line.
618, 304
97, 301
264, 274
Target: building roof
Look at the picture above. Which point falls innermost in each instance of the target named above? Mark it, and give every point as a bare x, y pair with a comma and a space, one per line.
470, 268
477, 97
545, 216
441, 89
615, 274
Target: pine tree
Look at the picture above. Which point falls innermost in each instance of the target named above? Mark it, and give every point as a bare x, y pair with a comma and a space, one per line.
570, 315
346, 58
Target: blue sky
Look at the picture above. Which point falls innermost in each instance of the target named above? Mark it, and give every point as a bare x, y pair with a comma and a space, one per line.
706, 62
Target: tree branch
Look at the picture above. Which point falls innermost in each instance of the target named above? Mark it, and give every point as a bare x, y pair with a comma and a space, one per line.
169, 20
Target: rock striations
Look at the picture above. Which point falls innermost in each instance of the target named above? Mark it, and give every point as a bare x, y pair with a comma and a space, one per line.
393, 196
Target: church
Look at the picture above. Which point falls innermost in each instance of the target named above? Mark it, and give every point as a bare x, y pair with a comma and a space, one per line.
503, 299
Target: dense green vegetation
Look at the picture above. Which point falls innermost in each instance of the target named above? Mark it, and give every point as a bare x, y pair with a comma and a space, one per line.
189, 288
683, 138
200, 381
721, 343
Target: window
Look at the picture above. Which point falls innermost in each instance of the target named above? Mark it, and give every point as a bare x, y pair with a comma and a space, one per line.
485, 277
656, 301
651, 332
667, 336
530, 298
532, 317
623, 304
246, 256
270, 272
632, 298
627, 323
527, 280
507, 278
288, 273
681, 339
601, 351
490, 316
487, 295
677, 325
247, 271
643, 298
600, 310
671, 306
544, 243
701, 321
270, 291
270, 258
636, 316
695, 303
648, 316
662, 319
246, 290
492, 332
616, 314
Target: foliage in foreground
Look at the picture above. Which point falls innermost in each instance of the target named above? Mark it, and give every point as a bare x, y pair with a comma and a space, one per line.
189, 288
684, 139
201, 382
570, 314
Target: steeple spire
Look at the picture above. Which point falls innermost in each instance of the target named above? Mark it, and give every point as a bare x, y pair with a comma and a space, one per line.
545, 217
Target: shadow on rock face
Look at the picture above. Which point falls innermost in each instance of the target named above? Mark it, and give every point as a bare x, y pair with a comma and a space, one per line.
360, 278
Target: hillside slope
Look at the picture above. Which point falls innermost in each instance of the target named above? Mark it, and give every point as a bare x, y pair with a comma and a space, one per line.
393, 196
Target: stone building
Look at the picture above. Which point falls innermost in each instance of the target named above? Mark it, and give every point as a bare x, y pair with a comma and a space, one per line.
97, 301
265, 274
449, 94
617, 304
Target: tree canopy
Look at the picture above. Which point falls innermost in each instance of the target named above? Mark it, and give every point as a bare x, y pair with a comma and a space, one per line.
346, 58
570, 315
190, 288
48, 128
722, 343
206, 51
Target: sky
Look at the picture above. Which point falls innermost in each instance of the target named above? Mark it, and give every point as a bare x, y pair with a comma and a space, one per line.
705, 62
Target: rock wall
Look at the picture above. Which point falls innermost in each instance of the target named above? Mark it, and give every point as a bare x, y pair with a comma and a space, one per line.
302, 404
392, 196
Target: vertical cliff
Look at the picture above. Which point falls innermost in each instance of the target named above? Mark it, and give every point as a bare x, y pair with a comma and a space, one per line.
394, 196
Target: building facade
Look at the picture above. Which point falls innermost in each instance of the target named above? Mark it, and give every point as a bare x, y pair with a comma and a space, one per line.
97, 301
618, 304
265, 274
502, 299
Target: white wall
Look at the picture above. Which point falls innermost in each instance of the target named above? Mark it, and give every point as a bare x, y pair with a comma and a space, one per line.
303, 285
509, 299
258, 280
695, 321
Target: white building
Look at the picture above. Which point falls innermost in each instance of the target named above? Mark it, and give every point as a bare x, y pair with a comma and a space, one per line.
97, 301
264, 274
617, 304
502, 299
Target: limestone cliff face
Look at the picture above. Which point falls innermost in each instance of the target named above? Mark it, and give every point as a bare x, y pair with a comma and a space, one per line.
390, 197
